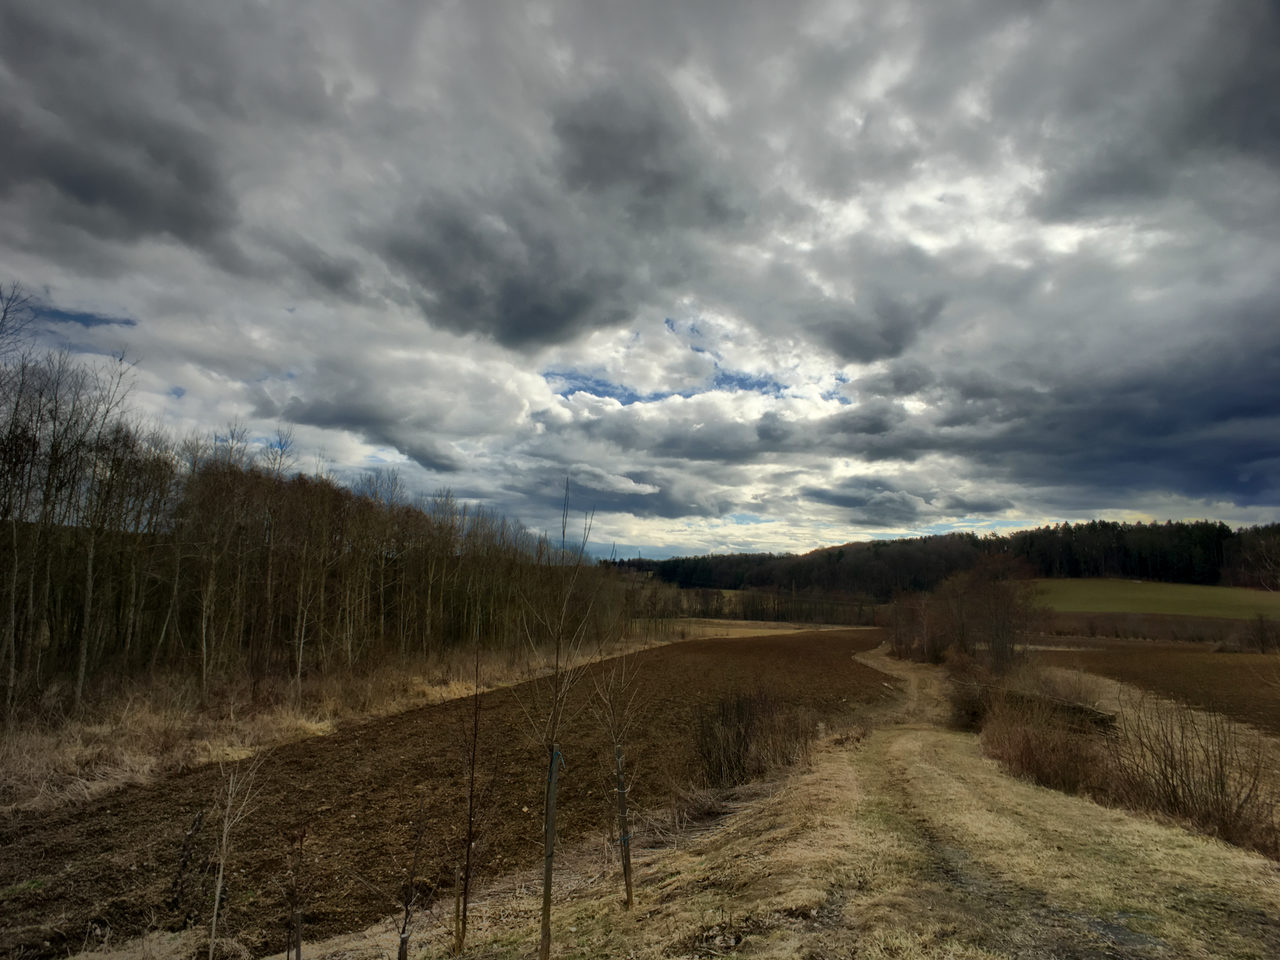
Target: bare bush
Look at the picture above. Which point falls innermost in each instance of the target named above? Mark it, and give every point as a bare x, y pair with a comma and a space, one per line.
745, 736
235, 800
1196, 765
1153, 755
1034, 738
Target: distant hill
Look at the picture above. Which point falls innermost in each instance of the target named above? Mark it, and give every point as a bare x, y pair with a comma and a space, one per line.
1200, 552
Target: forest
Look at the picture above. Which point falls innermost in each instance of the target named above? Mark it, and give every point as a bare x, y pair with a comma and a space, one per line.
124, 551
1201, 552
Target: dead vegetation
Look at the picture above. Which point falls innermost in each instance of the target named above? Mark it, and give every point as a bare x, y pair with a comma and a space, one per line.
747, 735
1151, 755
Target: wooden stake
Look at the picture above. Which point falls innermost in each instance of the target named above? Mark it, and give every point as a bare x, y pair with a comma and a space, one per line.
457, 911
549, 852
624, 831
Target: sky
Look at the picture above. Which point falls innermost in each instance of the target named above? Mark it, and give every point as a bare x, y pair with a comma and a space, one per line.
749, 275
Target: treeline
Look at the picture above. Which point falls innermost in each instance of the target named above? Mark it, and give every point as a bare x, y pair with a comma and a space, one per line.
123, 550
1202, 552
777, 605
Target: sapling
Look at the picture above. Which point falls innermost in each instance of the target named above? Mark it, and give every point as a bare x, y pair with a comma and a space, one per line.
409, 893
557, 630
296, 888
615, 707
236, 798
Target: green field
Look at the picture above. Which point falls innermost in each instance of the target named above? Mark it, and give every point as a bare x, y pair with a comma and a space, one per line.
1134, 596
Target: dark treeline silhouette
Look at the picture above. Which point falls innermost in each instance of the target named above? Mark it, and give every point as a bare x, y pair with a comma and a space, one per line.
123, 551
1201, 551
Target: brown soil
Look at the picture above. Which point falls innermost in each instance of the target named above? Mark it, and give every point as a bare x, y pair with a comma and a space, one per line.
111, 868
1242, 686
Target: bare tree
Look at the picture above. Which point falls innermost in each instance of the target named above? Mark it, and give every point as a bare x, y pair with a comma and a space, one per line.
236, 798
615, 708
555, 621
17, 313
463, 891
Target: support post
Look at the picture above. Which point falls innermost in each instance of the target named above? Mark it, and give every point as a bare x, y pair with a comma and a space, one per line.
549, 852
624, 830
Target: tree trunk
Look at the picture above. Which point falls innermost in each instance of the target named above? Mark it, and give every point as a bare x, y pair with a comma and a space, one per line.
624, 830
82, 661
549, 852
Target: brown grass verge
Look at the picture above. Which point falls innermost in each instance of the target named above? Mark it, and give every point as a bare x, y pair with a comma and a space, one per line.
1163, 757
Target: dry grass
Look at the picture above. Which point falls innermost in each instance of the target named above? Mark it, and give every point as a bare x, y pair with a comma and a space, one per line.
745, 736
911, 846
1167, 757
1161, 756
1033, 740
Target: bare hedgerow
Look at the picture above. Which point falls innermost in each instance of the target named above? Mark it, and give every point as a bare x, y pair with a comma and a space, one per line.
1035, 738
1154, 755
1197, 765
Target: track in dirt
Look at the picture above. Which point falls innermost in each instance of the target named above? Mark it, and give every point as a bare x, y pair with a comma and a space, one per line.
106, 869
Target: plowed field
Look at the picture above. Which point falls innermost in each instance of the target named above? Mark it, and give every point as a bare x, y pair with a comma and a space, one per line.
111, 868
1242, 686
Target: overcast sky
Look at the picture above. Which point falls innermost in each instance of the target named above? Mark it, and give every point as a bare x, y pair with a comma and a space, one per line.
752, 275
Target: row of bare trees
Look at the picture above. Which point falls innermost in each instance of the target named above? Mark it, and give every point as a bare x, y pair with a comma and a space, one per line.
985, 612
123, 551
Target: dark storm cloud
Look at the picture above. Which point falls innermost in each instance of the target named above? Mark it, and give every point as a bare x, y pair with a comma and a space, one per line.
871, 503
140, 177
332, 273
505, 271
373, 418
1007, 256
885, 329
1239, 109
1203, 423
660, 493
676, 439
900, 379
612, 226
634, 146
1207, 97
117, 117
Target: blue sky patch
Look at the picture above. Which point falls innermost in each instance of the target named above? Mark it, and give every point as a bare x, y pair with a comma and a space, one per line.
570, 382
54, 315
725, 380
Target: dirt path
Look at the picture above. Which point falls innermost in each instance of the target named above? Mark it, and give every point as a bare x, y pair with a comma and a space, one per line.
1027, 872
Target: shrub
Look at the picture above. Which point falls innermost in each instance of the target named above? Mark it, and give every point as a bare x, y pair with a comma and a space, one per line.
1033, 738
1163, 757
1199, 766
744, 736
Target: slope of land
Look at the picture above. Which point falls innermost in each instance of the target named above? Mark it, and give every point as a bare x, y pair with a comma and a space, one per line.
112, 867
906, 843
1141, 596
1242, 686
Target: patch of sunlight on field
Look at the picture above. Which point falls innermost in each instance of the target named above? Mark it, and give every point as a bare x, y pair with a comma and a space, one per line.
1141, 596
